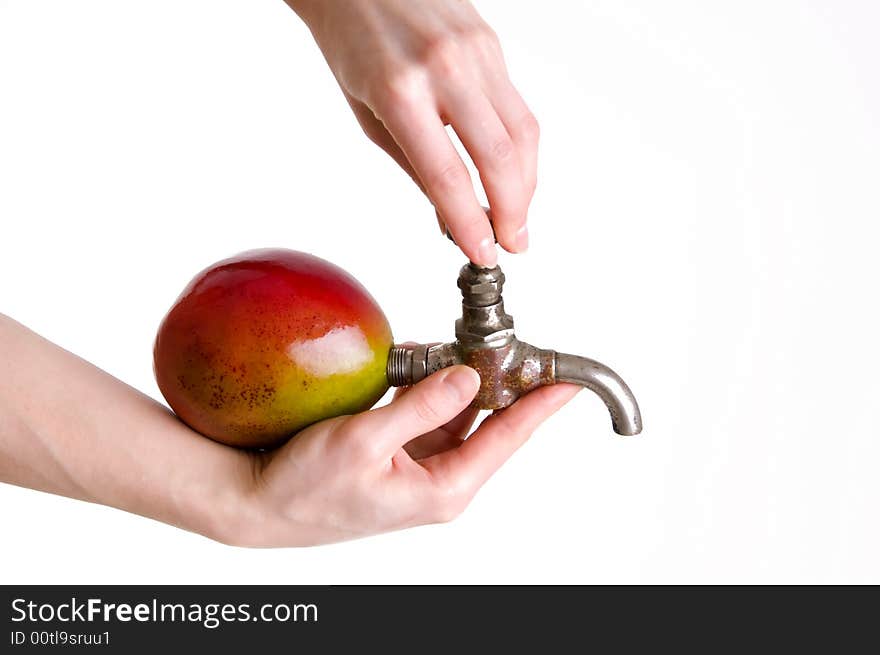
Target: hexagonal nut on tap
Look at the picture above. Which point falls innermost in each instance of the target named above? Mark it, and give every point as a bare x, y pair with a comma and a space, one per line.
480, 286
469, 332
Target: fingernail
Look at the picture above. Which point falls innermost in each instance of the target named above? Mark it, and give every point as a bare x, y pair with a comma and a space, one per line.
521, 239
460, 382
488, 253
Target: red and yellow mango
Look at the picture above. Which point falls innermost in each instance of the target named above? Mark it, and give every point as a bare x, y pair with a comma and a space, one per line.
263, 344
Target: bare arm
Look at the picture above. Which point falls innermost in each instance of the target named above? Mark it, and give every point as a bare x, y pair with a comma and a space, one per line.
69, 428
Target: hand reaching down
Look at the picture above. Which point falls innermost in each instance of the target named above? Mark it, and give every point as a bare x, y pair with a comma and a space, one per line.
409, 67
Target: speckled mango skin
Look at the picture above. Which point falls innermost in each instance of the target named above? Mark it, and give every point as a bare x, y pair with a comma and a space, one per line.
232, 355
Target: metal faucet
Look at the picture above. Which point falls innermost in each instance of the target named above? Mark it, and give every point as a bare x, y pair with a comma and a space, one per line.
508, 367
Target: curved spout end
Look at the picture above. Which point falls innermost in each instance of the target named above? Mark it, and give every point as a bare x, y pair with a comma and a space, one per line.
608, 385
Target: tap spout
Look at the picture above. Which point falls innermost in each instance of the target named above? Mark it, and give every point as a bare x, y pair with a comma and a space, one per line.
626, 419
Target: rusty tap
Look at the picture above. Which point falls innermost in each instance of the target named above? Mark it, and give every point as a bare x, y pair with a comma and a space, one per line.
508, 367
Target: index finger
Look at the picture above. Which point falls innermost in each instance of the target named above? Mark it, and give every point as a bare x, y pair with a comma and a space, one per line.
423, 139
467, 467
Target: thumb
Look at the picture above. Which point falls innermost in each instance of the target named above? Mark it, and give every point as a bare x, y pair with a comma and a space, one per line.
431, 403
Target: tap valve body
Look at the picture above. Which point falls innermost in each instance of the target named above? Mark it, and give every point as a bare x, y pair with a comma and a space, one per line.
508, 367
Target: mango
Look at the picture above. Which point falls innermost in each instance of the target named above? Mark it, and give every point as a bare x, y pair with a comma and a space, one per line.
267, 342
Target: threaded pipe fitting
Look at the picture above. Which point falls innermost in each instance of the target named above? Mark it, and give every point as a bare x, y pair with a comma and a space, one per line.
400, 366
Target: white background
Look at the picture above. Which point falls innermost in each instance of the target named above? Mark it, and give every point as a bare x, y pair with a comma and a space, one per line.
707, 213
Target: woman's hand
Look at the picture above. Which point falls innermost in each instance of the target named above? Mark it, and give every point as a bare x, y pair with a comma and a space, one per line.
394, 467
409, 67
68, 428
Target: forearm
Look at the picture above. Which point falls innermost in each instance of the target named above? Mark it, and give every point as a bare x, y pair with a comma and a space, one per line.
68, 428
